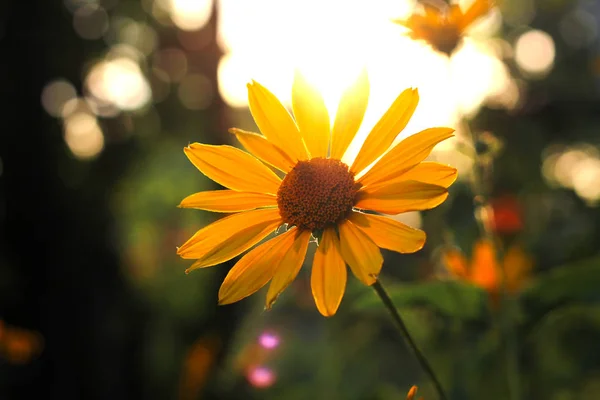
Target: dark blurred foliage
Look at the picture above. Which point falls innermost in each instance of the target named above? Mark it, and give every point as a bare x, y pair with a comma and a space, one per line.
94, 303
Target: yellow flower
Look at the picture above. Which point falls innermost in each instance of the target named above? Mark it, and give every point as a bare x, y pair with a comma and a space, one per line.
483, 270
318, 196
443, 26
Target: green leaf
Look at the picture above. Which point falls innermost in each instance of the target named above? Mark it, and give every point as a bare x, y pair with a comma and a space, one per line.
451, 298
573, 282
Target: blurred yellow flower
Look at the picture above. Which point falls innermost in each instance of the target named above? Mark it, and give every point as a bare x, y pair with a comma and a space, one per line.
319, 196
483, 270
443, 26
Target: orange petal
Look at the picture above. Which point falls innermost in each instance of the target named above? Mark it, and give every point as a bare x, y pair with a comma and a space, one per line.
385, 131
388, 233
455, 262
228, 201
455, 15
425, 172
401, 197
517, 267
288, 265
264, 150
484, 270
360, 253
405, 155
230, 236
350, 113
411, 393
233, 168
255, 269
328, 278
434, 12
311, 116
477, 9
275, 122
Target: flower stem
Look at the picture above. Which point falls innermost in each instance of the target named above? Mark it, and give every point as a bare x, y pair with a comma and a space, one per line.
387, 302
482, 175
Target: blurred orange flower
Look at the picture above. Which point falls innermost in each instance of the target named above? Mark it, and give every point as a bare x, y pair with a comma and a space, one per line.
319, 195
197, 366
483, 270
412, 393
19, 346
442, 25
507, 214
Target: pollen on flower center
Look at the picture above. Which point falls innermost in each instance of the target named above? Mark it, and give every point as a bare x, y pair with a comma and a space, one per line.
316, 193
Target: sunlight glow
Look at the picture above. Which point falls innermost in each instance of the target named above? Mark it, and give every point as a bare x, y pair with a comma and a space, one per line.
90, 21
535, 52
119, 82
56, 95
83, 135
267, 40
190, 15
576, 167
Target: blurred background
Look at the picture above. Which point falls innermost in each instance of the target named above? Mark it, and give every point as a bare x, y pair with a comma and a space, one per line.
98, 99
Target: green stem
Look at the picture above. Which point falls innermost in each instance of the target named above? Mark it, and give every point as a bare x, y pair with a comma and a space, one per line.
481, 174
387, 302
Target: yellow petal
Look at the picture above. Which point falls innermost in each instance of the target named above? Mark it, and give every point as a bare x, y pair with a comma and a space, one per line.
401, 197
415, 21
328, 278
255, 269
477, 9
287, 265
275, 122
385, 131
350, 113
405, 155
228, 201
233, 168
426, 172
388, 233
431, 172
360, 253
311, 116
228, 237
264, 150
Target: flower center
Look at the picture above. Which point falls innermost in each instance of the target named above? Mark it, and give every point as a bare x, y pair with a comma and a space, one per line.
316, 194
446, 38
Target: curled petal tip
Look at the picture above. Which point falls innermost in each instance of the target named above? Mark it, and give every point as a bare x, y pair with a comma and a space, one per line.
269, 305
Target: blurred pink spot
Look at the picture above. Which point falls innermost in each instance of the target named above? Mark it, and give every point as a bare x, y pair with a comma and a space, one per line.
268, 340
261, 377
